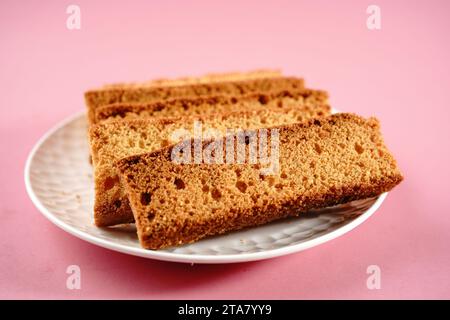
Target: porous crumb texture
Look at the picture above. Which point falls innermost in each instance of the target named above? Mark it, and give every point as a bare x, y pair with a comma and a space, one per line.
212, 105
145, 94
207, 78
323, 162
114, 140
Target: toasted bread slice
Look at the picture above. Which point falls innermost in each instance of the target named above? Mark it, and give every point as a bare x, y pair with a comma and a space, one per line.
96, 98
323, 162
212, 105
207, 78
111, 141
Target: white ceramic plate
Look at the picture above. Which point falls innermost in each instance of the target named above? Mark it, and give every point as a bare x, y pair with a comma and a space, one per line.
58, 178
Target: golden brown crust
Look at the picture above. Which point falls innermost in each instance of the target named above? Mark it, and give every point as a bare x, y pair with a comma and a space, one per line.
210, 104
323, 162
207, 78
96, 98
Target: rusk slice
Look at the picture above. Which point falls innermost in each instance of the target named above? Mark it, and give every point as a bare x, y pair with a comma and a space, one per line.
96, 98
212, 105
323, 162
207, 78
111, 141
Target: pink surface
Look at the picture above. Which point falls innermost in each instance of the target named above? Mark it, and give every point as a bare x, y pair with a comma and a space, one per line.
400, 73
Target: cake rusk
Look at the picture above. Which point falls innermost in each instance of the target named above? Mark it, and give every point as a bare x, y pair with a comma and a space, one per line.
212, 104
96, 98
111, 141
206, 78
322, 162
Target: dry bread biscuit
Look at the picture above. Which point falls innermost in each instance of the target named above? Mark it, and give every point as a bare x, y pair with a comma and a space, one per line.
97, 98
322, 162
111, 141
212, 105
207, 78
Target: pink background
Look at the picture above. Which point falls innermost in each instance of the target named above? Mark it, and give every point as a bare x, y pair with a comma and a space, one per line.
401, 74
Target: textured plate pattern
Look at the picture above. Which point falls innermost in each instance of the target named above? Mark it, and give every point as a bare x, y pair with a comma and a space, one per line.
59, 180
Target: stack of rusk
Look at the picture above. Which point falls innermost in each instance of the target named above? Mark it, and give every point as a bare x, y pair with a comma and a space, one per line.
319, 159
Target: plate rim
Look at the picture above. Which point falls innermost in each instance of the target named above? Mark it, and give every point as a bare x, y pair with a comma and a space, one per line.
172, 256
